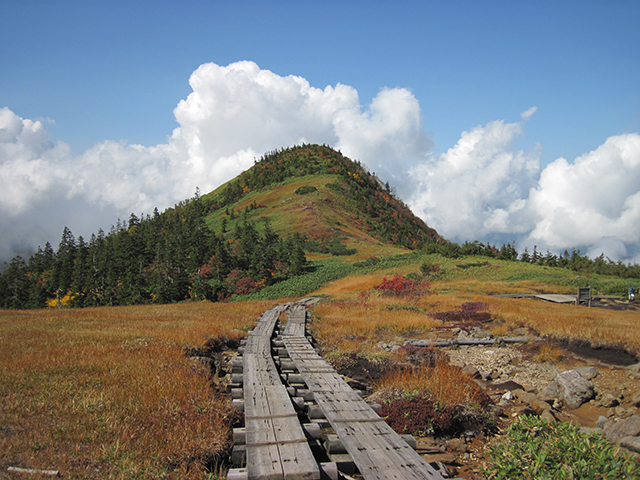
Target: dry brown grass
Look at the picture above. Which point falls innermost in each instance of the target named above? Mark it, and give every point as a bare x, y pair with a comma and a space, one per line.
355, 324
446, 384
596, 325
109, 393
549, 352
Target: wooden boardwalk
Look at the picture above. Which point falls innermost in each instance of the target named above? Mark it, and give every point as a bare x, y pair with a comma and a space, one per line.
378, 451
276, 446
275, 443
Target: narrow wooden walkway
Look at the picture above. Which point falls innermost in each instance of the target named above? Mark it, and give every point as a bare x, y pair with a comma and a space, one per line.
378, 451
276, 446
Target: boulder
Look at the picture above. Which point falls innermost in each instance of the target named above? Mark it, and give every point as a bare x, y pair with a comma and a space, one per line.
629, 427
572, 387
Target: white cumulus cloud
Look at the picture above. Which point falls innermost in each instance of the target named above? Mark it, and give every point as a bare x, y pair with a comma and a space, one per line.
591, 201
233, 116
480, 189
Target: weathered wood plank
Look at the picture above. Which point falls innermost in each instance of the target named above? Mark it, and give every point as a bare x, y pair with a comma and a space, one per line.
276, 445
378, 451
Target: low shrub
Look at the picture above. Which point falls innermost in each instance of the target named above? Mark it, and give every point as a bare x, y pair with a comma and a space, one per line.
467, 315
421, 416
400, 286
423, 356
305, 189
532, 448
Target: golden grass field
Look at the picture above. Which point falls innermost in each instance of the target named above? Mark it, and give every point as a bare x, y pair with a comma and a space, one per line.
109, 393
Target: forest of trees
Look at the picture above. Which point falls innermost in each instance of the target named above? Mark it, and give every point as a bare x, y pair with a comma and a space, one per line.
160, 258
574, 261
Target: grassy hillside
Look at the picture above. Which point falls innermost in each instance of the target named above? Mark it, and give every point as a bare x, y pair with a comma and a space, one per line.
317, 191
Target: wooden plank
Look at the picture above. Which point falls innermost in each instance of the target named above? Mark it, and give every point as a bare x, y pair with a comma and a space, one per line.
276, 445
378, 451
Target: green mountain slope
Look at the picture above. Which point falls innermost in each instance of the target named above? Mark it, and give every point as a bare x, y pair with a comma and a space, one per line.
316, 191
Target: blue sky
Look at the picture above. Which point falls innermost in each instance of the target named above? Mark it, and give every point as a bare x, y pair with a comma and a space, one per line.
98, 71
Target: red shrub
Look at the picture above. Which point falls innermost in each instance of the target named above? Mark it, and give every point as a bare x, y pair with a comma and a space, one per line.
403, 287
421, 416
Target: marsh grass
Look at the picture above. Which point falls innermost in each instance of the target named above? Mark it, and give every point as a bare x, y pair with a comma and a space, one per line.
109, 392
444, 383
359, 323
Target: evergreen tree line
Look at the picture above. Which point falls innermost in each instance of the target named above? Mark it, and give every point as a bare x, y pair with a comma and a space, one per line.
159, 258
574, 261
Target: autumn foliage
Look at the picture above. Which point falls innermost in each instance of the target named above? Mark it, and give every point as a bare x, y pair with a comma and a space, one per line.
400, 286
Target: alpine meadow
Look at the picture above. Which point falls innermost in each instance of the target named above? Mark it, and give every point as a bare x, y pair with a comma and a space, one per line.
117, 351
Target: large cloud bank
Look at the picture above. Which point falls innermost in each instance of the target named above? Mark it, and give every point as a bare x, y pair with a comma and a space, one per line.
481, 188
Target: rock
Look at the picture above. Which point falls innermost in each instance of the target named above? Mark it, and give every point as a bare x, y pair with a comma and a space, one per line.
510, 385
575, 389
627, 428
587, 372
548, 416
539, 406
631, 443
471, 371
609, 400
486, 375
457, 445
552, 390
496, 410
635, 400
508, 396
448, 458
522, 410
602, 422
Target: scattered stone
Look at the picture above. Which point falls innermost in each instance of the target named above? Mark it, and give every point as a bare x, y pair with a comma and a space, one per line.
609, 400
602, 422
471, 371
548, 416
457, 445
618, 430
508, 396
587, 372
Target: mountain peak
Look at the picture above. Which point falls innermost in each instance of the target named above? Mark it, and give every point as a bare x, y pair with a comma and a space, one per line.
317, 191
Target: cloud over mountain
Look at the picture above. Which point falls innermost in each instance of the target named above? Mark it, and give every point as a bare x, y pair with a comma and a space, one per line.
481, 188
